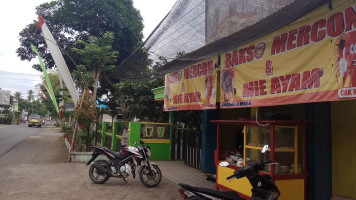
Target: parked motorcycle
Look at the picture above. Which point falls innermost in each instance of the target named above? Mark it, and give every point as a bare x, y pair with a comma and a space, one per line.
263, 187
122, 164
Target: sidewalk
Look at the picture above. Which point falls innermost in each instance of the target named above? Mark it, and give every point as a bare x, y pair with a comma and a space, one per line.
37, 169
178, 172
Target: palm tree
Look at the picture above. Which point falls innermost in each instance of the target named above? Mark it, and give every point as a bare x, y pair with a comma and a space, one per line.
29, 95
18, 95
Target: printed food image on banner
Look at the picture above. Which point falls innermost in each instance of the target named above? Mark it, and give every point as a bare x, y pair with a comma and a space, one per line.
192, 88
311, 60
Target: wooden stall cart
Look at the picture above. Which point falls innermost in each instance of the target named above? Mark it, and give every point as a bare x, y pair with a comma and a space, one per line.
287, 152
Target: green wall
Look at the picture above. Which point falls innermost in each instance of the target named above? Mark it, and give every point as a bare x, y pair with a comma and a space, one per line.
159, 151
134, 133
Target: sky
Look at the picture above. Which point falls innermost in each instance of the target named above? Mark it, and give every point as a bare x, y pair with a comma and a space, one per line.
19, 76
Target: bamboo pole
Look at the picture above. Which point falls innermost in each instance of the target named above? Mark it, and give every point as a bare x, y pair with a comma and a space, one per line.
75, 128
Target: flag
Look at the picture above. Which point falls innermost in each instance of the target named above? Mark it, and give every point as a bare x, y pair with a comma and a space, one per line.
61, 103
49, 88
58, 59
42, 93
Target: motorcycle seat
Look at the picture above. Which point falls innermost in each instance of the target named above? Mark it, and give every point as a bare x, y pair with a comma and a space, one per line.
116, 154
229, 195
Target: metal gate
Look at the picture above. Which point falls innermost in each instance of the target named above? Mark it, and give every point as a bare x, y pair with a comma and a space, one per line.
186, 145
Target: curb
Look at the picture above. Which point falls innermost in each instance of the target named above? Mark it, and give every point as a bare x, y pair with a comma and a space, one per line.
84, 157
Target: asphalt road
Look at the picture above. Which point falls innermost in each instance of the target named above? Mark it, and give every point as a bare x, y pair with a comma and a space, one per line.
11, 136
33, 166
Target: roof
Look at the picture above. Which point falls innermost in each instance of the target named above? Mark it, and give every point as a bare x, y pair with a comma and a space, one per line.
277, 20
181, 13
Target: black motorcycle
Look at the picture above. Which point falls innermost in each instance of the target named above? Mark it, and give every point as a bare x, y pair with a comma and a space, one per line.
263, 187
122, 164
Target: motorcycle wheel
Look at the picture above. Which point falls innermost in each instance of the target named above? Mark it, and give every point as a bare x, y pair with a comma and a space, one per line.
150, 179
97, 176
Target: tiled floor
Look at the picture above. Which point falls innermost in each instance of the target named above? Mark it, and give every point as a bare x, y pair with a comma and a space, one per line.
178, 172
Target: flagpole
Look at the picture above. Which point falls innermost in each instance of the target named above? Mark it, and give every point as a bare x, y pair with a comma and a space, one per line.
75, 128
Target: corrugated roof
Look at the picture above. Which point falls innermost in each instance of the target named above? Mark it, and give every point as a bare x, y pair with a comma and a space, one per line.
271, 23
197, 51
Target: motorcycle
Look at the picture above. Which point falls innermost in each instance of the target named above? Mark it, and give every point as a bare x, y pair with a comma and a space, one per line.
123, 164
263, 188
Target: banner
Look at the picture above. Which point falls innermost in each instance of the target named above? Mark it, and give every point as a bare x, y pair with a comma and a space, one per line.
192, 88
48, 82
310, 60
58, 59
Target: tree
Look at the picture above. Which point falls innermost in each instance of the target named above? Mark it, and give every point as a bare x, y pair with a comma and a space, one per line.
137, 100
47, 101
97, 57
37, 107
73, 20
29, 95
18, 96
23, 103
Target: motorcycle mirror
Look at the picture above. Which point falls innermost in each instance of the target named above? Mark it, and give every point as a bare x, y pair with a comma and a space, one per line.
135, 143
224, 164
264, 149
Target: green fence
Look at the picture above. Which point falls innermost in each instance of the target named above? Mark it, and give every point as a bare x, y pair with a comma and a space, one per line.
156, 135
111, 135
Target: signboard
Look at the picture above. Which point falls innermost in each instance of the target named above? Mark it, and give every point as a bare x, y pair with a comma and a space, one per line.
310, 60
5, 97
192, 88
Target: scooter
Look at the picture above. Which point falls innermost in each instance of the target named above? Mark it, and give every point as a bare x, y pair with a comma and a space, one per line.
263, 187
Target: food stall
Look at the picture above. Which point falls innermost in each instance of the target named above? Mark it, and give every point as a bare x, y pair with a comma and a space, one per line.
286, 139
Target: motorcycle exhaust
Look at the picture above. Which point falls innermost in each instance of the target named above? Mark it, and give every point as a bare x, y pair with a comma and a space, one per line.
102, 169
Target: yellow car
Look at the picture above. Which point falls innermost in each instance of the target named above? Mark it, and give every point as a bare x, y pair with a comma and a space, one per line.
34, 120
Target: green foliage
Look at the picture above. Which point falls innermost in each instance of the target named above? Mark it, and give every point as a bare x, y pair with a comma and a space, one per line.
21, 102
85, 139
137, 100
54, 78
29, 95
34, 106
7, 116
97, 58
85, 114
190, 118
38, 107
73, 20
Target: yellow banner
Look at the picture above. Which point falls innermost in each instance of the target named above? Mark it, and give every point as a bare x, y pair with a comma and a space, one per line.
310, 60
192, 88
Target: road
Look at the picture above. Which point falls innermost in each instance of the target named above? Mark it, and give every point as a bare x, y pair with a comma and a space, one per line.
33, 166
10, 137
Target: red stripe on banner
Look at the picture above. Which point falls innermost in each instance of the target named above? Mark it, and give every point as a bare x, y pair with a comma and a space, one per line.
40, 22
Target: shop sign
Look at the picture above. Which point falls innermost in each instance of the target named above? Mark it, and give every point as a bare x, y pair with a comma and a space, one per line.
192, 88
310, 60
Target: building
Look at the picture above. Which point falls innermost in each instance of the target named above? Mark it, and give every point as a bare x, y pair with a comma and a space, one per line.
290, 69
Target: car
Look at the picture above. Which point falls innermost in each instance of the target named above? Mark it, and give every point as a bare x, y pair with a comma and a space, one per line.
34, 120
